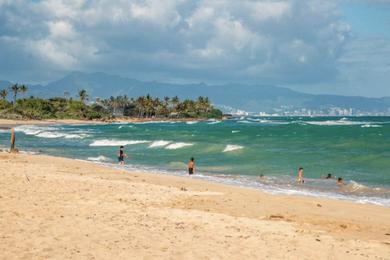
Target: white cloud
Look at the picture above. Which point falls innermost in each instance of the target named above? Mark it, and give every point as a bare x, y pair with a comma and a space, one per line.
272, 41
61, 29
268, 10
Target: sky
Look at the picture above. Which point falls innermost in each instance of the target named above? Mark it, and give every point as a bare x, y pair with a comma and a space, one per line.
315, 46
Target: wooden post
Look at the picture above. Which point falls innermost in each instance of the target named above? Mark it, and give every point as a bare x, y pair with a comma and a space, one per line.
13, 149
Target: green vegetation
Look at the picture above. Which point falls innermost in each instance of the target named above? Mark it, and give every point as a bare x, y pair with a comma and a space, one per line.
148, 107
121, 106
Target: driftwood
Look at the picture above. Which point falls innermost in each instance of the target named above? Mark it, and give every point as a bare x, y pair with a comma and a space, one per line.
13, 139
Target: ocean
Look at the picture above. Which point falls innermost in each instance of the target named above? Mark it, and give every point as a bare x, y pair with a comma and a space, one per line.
238, 151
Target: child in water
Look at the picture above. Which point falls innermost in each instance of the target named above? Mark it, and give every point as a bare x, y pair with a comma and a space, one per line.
191, 166
121, 155
300, 175
340, 181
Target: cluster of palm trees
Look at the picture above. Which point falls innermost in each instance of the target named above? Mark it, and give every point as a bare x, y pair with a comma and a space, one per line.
142, 107
147, 106
15, 89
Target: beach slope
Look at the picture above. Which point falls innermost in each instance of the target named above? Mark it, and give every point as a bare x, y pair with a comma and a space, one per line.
55, 208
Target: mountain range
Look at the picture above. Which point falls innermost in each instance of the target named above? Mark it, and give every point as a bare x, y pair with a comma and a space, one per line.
255, 97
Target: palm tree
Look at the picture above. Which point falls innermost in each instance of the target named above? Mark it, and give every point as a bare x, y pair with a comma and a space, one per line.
149, 105
166, 106
23, 89
15, 89
83, 95
3, 93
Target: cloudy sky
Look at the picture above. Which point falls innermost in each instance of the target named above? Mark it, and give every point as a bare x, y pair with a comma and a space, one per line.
316, 46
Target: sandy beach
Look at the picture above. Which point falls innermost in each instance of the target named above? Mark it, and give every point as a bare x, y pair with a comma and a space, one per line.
55, 208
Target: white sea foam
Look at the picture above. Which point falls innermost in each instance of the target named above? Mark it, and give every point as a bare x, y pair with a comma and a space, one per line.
152, 122
369, 125
192, 122
232, 147
112, 142
335, 123
235, 131
122, 126
159, 143
214, 122
246, 122
100, 158
179, 145
262, 121
51, 132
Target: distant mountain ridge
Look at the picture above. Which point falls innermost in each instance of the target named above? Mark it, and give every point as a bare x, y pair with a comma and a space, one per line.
253, 98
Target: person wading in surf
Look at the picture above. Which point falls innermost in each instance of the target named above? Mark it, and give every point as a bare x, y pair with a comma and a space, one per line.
300, 176
121, 155
191, 166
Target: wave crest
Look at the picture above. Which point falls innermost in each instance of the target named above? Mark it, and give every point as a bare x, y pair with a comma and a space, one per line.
232, 147
159, 143
50, 132
111, 142
179, 145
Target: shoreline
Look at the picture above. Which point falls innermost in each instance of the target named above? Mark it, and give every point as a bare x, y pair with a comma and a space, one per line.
9, 123
264, 187
75, 206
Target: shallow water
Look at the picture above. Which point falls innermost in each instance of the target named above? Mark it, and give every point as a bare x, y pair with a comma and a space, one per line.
238, 151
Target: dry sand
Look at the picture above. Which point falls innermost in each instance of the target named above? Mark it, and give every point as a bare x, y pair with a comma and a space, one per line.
54, 208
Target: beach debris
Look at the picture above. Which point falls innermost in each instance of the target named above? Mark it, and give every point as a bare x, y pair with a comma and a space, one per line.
276, 217
13, 139
183, 189
27, 178
319, 205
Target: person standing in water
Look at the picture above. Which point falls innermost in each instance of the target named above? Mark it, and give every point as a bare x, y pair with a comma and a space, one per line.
121, 155
191, 166
300, 176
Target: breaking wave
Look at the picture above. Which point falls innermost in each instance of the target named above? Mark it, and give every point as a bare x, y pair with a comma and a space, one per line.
179, 145
111, 142
100, 158
51, 132
159, 143
232, 147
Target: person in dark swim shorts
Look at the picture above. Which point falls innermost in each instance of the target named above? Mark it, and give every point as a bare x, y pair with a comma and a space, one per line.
191, 166
121, 155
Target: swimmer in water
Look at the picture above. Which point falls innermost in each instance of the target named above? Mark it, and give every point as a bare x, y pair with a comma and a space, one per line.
328, 176
340, 181
300, 176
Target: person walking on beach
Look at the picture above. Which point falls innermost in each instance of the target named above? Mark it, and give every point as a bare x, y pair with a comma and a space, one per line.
191, 166
300, 176
121, 155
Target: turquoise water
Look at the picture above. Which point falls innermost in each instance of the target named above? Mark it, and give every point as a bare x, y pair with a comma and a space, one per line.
237, 151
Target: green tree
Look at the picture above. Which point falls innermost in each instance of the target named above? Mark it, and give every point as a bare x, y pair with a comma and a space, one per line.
15, 90
83, 96
23, 89
3, 93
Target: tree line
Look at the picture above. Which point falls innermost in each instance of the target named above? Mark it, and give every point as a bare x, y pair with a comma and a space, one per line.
147, 107
120, 106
